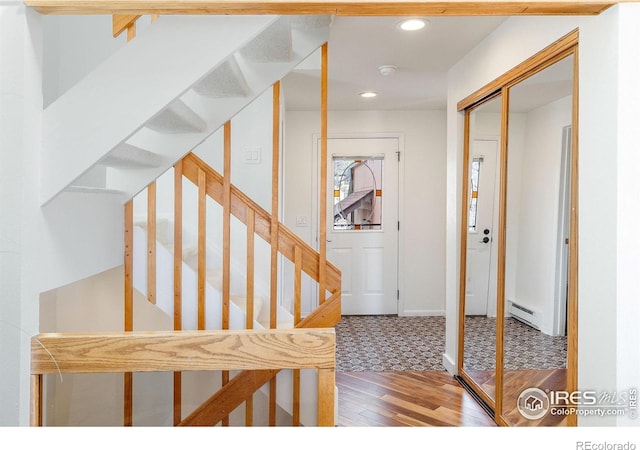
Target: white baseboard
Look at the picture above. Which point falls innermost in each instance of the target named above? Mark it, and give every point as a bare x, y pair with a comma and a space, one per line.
448, 363
421, 312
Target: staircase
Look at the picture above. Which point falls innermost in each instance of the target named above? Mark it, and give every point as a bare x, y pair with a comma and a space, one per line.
164, 93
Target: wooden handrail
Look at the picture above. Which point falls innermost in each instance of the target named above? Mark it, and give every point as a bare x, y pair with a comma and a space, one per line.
178, 351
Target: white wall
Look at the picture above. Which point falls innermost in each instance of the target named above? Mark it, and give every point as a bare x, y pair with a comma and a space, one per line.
422, 226
628, 239
602, 54
75, 45
537, 209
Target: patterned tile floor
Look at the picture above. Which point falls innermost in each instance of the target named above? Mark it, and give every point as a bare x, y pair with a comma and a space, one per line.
386, 343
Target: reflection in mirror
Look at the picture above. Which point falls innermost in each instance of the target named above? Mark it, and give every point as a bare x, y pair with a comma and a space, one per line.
357, 193
479, 353
537, 227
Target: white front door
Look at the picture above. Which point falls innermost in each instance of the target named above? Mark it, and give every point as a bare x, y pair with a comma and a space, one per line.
482, 173
362, 216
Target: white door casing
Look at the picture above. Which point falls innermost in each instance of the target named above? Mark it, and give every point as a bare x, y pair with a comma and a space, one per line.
480, 239
368, 259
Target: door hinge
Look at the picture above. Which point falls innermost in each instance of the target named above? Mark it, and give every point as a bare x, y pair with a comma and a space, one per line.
398, 153
397, 294
398, 225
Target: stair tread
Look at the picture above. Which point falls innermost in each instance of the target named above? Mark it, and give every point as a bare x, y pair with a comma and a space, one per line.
127, 156
177, 118
227, 80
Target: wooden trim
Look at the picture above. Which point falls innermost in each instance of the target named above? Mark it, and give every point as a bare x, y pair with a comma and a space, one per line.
275, 192
202, 248
251, 230
183, 350
35, 410
122, 22
335, 7
326, 397
502, 248
523, 70
226, 227
322, 239
464, 219
572, 300
151, 243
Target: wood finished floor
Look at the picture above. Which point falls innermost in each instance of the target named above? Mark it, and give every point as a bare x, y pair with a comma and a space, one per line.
404, 399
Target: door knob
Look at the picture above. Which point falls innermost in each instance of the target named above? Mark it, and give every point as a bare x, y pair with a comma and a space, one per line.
485, 240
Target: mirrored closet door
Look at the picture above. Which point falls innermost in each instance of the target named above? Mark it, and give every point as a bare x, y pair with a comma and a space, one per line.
518, 280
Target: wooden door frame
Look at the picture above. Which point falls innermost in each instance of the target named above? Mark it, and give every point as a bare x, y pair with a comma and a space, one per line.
562, 48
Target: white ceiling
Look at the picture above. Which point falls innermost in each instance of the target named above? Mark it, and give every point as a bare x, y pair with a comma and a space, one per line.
359, 45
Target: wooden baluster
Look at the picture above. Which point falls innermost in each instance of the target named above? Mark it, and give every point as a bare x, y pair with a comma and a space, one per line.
177, 283
326, 397
128, 305
275, 192
35, 415
322, 244
251, 227
297, 297
151, 243
226, 242
202, 247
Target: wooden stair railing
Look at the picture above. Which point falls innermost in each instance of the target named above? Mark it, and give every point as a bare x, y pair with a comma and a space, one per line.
258, 222
177, 351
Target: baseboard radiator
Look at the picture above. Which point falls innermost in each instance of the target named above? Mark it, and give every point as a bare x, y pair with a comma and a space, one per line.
524, 315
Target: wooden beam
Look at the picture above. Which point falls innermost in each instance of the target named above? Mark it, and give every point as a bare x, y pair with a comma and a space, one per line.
183, 350
334, 7
151, 242
322, 194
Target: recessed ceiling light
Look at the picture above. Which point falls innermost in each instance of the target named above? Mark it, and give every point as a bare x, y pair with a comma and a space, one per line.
413, 24
368, 94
